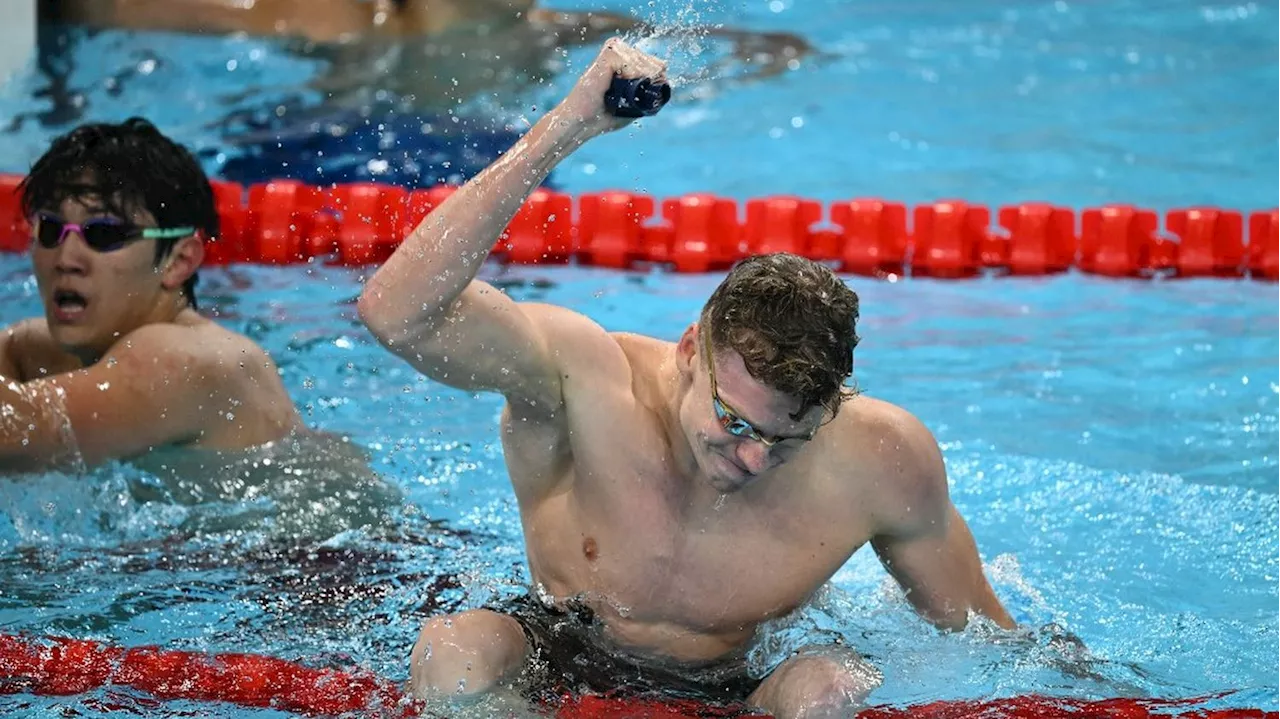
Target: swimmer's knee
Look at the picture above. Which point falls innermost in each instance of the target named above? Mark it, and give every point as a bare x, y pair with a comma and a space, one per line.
465, 654
818, 682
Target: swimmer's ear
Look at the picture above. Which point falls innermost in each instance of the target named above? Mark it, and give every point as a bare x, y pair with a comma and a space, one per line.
182, 261
687, 350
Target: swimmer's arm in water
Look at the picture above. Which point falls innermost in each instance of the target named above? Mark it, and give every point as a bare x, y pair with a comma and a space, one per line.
922, 540
424, 303
154, 388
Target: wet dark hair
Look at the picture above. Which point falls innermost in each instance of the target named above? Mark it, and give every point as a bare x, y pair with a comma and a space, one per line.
793, 321
128, 166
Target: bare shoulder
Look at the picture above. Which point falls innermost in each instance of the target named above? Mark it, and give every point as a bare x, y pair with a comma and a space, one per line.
202, 348
901, 460
31, 352
577, 343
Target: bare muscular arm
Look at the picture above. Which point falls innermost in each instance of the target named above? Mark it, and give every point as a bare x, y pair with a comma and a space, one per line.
154, 388
424, 303
923, 541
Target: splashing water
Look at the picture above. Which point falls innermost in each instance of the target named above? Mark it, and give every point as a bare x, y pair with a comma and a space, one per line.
21, 418
680, 37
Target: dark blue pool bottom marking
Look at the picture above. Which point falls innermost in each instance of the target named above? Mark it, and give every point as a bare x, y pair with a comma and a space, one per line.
395, 149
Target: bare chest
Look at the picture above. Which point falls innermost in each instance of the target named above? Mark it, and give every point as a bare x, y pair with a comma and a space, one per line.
629, 540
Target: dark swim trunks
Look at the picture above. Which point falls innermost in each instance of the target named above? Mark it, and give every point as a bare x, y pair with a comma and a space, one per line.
570, 656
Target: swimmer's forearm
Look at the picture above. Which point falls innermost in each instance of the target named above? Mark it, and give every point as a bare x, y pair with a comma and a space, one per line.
424, 277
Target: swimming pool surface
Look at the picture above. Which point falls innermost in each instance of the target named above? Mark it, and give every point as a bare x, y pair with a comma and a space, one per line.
1112, 444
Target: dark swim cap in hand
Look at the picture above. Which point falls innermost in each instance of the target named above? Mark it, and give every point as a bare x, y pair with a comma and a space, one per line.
636, 97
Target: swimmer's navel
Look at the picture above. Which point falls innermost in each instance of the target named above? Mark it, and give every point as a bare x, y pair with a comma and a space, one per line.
589, 549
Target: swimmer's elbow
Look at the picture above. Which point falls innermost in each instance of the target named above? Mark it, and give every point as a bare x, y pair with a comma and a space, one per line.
372, 315
392, 328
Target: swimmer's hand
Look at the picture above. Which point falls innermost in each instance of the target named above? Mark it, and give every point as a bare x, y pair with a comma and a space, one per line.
584, 106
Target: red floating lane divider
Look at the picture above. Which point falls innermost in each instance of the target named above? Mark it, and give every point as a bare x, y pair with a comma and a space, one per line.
781, 224
1041, 240
541, 232
420, 204
873, 239
286, 222
1116, 240
233, 221
1211, 242
276, 210
57, 666
15, 234
949, 237
609, 228
702, 233
368, 221
60, 667
1264, 252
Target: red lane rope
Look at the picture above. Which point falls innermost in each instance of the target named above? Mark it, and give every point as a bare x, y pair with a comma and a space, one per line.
60, 666
287, 222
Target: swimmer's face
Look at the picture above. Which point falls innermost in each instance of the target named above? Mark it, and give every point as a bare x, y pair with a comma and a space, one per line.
92, 297
740, 429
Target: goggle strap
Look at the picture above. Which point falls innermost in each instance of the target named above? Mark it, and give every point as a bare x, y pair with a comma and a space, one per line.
165, 233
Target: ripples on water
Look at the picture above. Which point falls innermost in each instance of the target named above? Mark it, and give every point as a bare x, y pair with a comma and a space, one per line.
1112, 445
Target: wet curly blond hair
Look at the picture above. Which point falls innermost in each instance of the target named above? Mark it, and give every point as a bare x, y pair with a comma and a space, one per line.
794, 323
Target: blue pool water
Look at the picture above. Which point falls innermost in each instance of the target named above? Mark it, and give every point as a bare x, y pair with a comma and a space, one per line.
1113, 445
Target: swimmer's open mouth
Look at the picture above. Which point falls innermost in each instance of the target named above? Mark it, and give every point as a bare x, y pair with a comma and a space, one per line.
68, 304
